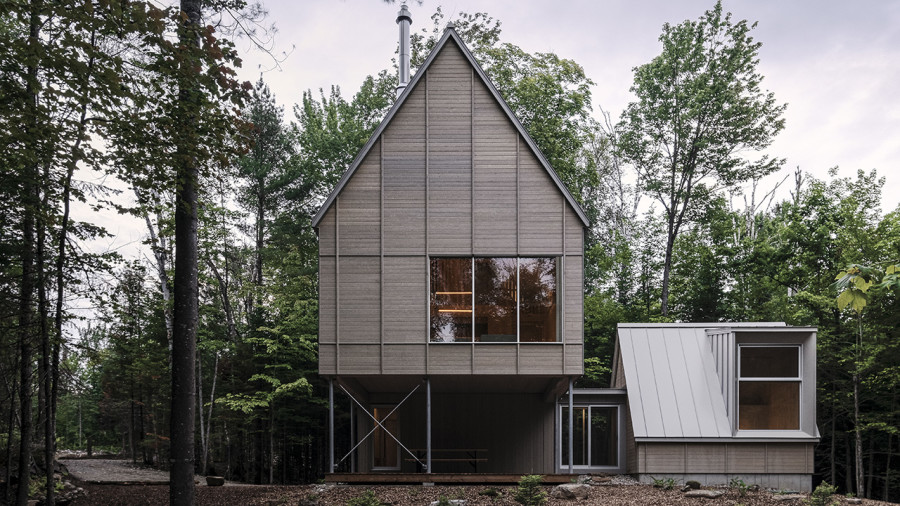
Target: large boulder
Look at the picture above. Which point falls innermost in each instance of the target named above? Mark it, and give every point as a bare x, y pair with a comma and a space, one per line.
570, 491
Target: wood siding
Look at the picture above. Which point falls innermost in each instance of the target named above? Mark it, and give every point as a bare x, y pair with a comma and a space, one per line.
449, 176
728, 458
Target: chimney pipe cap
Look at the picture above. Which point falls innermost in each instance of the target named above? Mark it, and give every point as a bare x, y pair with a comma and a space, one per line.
404, 14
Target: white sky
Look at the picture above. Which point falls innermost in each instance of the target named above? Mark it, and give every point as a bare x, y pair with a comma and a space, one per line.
836, 63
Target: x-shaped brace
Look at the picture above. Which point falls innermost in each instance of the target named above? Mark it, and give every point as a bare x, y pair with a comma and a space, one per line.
378, 424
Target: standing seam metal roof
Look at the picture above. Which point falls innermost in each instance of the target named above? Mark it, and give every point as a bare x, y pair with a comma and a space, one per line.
670, 375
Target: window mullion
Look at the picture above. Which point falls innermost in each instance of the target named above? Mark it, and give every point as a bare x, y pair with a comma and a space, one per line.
472, 270
518, 298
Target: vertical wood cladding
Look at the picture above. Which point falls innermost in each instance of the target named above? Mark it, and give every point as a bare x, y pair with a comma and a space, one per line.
449, 176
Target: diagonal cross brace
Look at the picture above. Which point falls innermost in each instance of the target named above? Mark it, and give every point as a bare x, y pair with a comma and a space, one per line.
378, 424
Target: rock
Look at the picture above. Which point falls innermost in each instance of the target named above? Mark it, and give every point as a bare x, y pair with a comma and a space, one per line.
694, 485
570, 491
585, 478
215, 481
453, 502
853, 500
706, 494
788, 497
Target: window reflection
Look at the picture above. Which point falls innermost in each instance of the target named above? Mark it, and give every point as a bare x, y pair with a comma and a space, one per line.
495, 299
505, 298
451, 299
537, 319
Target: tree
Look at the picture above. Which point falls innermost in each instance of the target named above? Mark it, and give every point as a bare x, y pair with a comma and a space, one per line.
699, 109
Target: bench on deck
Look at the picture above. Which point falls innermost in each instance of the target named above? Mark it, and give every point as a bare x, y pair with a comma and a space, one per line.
470, 455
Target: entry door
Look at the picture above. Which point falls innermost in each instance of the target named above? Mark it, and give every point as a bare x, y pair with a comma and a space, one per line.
595, 435
386, 452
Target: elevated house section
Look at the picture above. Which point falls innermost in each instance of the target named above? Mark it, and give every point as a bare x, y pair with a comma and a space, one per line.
450, 283
449, 178
718, 401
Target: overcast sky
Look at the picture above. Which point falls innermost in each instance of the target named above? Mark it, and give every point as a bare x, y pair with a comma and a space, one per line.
836, 63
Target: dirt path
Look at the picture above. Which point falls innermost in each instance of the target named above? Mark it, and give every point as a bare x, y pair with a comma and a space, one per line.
110, 471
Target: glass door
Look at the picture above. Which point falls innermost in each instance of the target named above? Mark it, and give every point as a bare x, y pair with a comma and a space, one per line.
595, 436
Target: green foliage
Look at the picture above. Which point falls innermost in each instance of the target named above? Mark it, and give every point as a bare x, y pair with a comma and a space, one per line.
529, 492
823, 495
443, 501
664, 483
368, 498
739, 485
699, 112
491, 492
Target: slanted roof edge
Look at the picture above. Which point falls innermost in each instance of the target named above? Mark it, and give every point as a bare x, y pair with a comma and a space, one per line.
449, 33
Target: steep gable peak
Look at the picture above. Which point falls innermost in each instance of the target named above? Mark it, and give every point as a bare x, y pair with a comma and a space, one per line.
450, 34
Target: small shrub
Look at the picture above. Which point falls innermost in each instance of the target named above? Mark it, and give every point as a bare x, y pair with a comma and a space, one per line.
664, 483
367, 499
529, 492
739, 485
444, 501
490, 492
823, 495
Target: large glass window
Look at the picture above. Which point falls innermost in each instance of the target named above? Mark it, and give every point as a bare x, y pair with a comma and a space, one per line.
595, 436
493, 299
769, 388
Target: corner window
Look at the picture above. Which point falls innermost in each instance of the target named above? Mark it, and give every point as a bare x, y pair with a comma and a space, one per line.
493, 300
769, 388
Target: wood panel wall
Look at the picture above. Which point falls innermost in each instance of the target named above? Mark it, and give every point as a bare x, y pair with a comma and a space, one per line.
449, 176
729, 458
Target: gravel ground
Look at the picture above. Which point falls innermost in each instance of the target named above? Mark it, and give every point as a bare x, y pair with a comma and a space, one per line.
96, 475
118, 471
329, 495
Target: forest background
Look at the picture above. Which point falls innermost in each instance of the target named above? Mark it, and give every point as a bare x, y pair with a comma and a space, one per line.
138, 92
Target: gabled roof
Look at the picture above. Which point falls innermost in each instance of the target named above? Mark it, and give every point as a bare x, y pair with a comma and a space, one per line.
674, 391
449, 34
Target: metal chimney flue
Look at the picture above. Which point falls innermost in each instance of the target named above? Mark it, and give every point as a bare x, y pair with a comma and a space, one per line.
404, 20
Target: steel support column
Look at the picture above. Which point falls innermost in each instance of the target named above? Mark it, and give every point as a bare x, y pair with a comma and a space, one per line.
352, 437
427, 425
330, 425
571, 426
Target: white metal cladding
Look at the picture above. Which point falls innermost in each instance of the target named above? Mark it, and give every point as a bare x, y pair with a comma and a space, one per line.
672, 373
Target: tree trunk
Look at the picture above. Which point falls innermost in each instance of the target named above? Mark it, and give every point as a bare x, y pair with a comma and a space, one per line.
44, 377
271, 443
848, 476
871, 473
833, 450
860, 486
31, 202
887, 465
184, 337
9, 435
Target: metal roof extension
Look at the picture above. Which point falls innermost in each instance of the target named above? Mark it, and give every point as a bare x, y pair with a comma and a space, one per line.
674, 391
449, 34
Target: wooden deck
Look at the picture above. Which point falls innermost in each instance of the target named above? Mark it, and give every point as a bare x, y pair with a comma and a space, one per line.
463, 478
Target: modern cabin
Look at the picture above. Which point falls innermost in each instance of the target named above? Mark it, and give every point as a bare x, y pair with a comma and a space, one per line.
450, 271
451, 314
716, 402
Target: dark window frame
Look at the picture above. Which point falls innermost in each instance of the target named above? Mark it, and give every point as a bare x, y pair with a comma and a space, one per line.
557, 299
